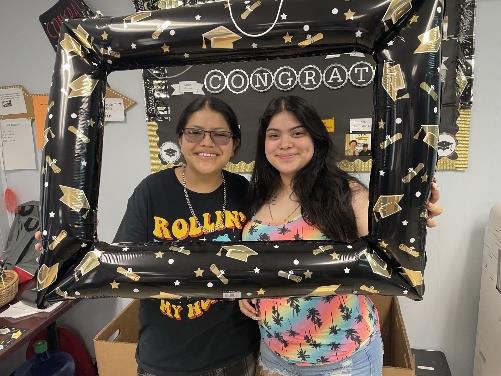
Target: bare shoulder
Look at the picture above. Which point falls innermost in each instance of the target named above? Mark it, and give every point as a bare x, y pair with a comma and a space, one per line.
360, 204
358, 191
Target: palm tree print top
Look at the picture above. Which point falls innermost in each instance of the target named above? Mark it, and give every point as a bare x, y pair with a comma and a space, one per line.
312, 330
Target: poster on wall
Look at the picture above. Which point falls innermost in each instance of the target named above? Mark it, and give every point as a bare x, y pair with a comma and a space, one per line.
53, 18
340, 87
16, 135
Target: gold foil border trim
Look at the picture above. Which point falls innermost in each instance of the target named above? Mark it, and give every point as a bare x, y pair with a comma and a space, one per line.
463, 144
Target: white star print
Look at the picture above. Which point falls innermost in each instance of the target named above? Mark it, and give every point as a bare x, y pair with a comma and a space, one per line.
346, 270
257, 270
52, 214
358, 34
283, 16
405, 223
177, 283
133, 46
198, 17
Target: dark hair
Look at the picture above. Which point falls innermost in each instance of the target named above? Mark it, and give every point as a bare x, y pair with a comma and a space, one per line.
365, 145
214, 104
355, 141
321, 186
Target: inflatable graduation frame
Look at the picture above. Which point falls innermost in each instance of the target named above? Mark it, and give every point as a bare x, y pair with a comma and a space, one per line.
404, 38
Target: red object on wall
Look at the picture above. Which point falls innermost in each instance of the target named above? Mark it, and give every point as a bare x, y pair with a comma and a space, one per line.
10, 200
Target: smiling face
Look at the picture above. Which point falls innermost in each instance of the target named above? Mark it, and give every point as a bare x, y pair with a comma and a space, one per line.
206, 157
288, 145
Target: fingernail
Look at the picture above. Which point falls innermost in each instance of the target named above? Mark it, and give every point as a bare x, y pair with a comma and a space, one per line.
435, 185
256, 318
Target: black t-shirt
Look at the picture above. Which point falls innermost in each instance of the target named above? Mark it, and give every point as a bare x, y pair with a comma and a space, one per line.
184, 337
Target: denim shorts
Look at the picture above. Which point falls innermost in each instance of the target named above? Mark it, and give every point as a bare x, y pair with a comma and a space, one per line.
366, 361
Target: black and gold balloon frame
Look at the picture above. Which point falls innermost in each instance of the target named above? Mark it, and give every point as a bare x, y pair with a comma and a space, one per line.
391, 260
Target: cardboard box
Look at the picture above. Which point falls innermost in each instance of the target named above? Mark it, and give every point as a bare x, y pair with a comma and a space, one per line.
115, 345
398, 359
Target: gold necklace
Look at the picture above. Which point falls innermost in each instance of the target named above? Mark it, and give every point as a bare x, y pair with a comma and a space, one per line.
288, 217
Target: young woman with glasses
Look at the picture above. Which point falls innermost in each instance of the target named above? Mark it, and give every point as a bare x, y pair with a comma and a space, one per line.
195, 201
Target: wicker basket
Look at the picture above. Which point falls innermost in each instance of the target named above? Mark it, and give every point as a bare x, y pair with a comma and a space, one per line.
8, 289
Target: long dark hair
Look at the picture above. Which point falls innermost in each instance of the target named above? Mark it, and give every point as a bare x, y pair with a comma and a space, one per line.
323, 189
214, 104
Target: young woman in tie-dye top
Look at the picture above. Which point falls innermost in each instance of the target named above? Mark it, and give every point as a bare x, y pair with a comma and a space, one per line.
298, 192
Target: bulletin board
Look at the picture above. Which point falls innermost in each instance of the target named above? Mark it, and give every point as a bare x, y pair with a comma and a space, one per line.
339, 86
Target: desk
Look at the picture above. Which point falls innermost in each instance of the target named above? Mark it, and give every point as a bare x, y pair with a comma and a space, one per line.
32, 324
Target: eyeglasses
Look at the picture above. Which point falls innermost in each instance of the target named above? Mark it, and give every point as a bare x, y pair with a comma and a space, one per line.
197, 135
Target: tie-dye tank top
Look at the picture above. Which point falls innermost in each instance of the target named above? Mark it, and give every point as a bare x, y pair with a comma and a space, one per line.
312, 330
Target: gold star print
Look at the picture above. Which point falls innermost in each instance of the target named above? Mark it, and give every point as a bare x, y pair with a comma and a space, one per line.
91, 122
349, 15
381, 124
199, 272
424, 178
104, 35
159, 254
165, 48
414, 19
383, 244
307, 274
287, 38
261, 291
114, 284
335, 256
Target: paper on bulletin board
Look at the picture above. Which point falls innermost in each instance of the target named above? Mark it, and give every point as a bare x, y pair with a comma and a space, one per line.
40, 104
12, 101
18, 150
114, 109
361, 125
